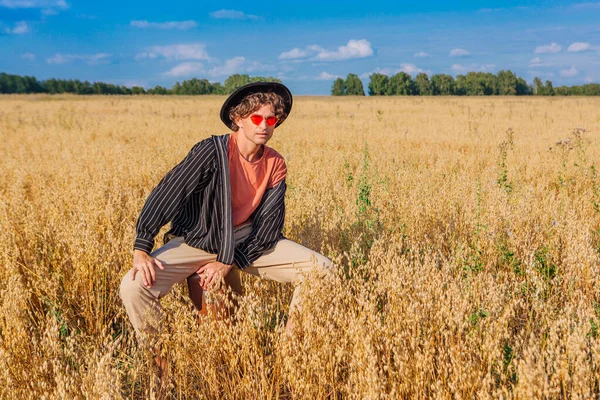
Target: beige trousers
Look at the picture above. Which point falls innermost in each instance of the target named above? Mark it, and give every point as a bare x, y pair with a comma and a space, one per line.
286, 262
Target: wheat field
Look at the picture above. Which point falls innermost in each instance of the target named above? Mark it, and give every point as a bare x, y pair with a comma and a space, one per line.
465, 234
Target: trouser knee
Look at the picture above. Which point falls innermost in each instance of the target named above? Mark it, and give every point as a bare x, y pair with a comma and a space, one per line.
132, 291
128, 288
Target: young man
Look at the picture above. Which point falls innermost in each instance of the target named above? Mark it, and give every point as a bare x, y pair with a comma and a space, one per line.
225, 202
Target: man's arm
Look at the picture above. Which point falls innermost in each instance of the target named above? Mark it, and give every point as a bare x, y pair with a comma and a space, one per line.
267, 226
172, 192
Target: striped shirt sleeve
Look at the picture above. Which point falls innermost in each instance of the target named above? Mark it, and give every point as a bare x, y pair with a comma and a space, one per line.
267, 227
171, 193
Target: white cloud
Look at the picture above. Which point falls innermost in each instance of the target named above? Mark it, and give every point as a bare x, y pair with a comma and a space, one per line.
421, 54
384, 71
491, 10
462, 69
85, 16
588, 79
34, 4
20, 28
186, 69
353, 49
549, 48
583, 6
293, 54
28, 56
412, 68
93, 59
540, 74
579, 46
48, 7
238, 65
229, 67
459, 53
315, 48
325, 76
568, 72
178, 52
537, 62
180, 25
495, 10
232, 14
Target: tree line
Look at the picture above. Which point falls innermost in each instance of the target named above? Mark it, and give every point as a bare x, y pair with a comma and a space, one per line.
504, 83
29, 84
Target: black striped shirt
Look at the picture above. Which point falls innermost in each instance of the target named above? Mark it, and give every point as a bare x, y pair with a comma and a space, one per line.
196, 197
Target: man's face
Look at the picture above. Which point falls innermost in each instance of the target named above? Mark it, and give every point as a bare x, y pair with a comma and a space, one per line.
258, 133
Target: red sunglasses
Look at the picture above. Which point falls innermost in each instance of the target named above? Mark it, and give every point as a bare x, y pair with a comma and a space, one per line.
257, 119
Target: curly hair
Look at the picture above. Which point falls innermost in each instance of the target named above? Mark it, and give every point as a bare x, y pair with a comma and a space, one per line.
253, 102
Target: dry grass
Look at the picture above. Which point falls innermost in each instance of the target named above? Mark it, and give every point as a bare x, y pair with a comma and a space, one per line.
467, 241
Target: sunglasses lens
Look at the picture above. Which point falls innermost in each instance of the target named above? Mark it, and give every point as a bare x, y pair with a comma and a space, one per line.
257, 119
271, 121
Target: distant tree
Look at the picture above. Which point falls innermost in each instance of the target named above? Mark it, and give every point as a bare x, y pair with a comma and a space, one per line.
338, 88
507, 83
138, 90
176, 89
591, 89
235, 81
263, 79
378, 84
549, 90
538, 86
195, 86
158, 90
401, 84
422, 84
354, 86
443, 85
461, 85
217, 88
522, 87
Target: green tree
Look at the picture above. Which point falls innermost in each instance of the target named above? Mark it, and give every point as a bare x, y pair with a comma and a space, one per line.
443, 85
338, 88
522, 87
354, 86
400, 84
538, 86
549, 90
507, 83
478, 84
235, 81
263, 79
159, 90
378, 84
422, 84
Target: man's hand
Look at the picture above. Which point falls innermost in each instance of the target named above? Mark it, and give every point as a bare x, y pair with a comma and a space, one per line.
212, 273
144, 264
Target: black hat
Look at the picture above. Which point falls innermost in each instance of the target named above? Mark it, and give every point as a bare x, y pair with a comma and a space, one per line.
256, 87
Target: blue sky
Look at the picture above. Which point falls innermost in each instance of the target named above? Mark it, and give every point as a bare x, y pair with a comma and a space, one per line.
306, 44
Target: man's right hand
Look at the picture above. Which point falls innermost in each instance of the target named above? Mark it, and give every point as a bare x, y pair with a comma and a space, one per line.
145, 264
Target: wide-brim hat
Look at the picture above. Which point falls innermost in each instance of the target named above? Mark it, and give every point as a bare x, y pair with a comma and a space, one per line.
256, 87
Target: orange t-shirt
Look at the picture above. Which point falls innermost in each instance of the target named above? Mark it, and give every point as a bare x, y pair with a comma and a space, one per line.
250, 180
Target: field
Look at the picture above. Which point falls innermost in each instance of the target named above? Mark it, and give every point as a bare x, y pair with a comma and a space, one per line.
465, 232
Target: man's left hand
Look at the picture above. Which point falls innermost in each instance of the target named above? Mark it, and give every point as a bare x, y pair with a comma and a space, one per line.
212, 273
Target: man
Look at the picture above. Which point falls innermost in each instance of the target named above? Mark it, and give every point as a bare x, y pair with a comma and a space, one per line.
225, 201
